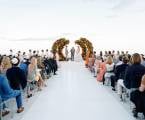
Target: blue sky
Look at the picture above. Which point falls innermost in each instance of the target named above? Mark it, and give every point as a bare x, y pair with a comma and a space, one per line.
101, 20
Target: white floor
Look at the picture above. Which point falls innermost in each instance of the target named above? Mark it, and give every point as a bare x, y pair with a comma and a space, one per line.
75, 95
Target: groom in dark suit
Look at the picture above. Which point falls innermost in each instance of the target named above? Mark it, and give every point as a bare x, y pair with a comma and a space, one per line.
72, 53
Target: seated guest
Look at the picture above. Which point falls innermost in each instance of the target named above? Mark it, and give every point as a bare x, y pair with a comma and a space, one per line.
133, 78
41, 71
142, 86
24, 65
143, 60
120, 74
32, 72
7, 93
5, 65
91, 62
109, 70
96, 65
34, 76
141, 96
16, 76
119, 61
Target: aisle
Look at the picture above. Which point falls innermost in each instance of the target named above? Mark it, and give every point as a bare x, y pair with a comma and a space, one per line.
75, 95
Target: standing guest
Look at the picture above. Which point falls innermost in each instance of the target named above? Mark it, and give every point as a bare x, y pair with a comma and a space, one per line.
16, 76
132, 79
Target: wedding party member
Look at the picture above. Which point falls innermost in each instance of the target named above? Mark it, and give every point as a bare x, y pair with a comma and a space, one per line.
72, 53
66, 53
133, 78
7, 92
17, 77
101, 70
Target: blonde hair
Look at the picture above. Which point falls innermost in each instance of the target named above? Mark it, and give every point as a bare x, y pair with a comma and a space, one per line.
6, 63
33, 61
109, 60
39, 62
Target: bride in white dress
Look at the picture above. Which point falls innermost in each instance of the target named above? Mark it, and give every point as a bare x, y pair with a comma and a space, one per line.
78, 56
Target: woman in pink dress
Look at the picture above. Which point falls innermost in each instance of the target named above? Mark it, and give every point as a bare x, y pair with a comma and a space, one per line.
101, 71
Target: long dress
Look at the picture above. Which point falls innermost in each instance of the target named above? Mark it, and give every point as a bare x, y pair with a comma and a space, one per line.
101, 71
78, 56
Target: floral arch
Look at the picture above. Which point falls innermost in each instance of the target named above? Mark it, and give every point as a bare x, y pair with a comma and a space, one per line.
86, 46
58, 47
